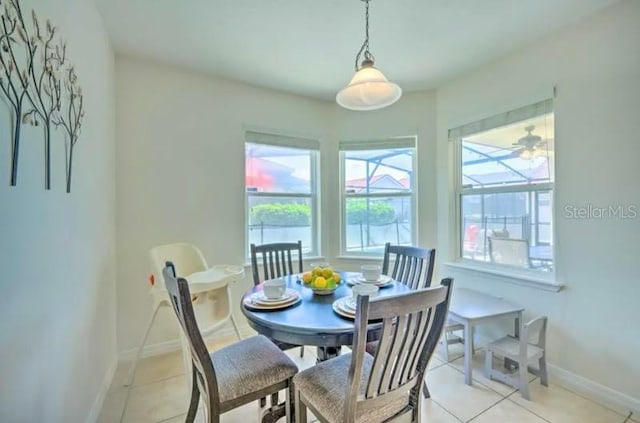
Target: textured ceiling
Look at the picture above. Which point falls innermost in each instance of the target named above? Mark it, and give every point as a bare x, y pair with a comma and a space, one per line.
308, 47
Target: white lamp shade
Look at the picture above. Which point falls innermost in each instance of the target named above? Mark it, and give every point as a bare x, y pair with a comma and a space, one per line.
369, 89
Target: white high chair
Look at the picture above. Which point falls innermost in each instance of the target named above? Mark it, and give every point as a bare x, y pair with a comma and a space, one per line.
205, 283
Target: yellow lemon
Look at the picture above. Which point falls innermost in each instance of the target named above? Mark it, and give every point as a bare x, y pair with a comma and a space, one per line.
306, 277
320, 283
336, 277
317, 271
327, 272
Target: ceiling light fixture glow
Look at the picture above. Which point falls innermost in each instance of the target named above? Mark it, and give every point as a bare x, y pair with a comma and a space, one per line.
369, 89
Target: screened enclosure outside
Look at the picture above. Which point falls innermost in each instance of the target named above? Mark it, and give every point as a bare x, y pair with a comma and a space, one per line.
378, 198
506, 193
281, 189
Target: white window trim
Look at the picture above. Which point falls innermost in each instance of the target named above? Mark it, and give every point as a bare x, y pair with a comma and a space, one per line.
390, 143
529, 277
311, 145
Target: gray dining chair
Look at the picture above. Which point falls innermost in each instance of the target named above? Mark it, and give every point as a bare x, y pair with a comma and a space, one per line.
365, 388
413, 266
276, 260
246, 371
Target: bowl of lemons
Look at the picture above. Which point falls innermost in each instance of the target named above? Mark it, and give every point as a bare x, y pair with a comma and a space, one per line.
321, 280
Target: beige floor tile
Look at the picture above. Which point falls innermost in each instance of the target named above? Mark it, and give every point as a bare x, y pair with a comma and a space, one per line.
559, 405
305, 362
112, 407
448, 390
478, 372
435, 362
160, 367
157, 401
507, 412
432, 412
455, 351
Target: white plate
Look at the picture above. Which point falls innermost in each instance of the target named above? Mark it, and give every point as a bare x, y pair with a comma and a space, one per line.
260, 298
383, 281
349, 304
340, 308
252, 304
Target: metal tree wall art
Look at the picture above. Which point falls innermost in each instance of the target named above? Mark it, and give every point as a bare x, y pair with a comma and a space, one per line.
43, 78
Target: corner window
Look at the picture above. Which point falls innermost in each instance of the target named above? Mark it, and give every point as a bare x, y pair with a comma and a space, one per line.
378, 195
281, 177
505, 188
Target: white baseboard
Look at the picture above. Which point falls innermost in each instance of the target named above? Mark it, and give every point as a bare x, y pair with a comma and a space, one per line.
620, 402
171, 346
96, 407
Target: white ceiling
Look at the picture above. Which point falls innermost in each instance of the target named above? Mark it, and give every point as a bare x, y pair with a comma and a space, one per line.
308, 47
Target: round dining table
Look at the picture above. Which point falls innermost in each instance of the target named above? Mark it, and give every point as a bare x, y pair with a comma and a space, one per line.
312, 321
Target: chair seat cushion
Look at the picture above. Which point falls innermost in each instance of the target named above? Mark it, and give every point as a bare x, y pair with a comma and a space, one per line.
249, 366
324, 387
372, 347
510, 347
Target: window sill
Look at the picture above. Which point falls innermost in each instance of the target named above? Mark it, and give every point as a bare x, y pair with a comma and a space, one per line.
360, 258
524, 278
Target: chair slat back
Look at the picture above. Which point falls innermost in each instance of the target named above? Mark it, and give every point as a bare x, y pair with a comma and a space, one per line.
411, 326
202, 367
413, 266
535, 332
277, 260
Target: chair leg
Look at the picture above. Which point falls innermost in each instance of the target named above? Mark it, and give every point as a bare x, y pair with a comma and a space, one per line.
445, 347
425, 390
488, 363
300, 408
289, 399
134, 364
542, 363
235, 328
195, 399
302, 351
524, 381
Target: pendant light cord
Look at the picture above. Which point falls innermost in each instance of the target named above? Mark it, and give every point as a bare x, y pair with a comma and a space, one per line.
365, 46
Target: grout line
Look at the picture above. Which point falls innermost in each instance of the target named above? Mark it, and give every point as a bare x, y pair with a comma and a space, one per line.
473, 380
488, 408
445, 409
523, 407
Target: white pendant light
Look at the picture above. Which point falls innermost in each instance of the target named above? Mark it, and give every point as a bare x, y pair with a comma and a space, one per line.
369, 89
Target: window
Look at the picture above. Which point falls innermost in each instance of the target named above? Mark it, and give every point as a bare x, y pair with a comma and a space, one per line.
378, 195
281, 175
505, 189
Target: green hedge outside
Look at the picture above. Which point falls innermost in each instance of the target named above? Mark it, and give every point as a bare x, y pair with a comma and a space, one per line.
292, 214
281, 214
380, 213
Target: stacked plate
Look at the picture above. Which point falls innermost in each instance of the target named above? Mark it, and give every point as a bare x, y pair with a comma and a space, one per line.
258, 301
383, 280
345, 307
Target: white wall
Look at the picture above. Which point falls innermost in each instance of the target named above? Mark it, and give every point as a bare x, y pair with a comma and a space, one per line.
57, 250
593, 323
180, 173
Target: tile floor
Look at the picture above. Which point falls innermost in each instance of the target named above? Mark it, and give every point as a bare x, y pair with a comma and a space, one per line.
159, 394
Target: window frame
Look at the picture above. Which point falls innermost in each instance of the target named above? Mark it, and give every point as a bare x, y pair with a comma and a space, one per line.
530, 188
370, 145
308, 145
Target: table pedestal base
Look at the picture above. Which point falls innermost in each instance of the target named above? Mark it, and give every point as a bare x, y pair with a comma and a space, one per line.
325, 353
